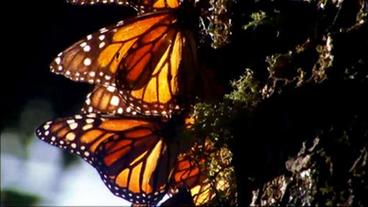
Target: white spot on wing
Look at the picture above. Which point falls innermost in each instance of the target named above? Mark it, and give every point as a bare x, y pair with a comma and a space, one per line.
87, 48
114, 101
93, 115
73, 126
101, 45
101, 37
88, 101
70, 136
87, 62
90, 109
103, 30
86, 127
69, 121
120, 23
111, 88
58, 60
120, 110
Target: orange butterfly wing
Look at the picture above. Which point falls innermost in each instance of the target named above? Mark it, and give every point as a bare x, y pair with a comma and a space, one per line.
92, 2
106, 100
143, 56
161, 4
75, 134
202, 193
187, 171
138, 163
146, 4
130, 155
96, 58
190, 172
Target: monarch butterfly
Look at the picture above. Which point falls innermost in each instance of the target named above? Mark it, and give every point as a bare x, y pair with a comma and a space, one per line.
187, 171
138, 158
151, 59
135, 156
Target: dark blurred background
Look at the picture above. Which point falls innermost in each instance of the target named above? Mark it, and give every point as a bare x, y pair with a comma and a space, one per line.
33, 172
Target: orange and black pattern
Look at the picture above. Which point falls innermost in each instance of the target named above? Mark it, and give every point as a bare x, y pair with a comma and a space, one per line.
134, 158
150, 59
146, 5
142, 68
130, 153
191, 172
106, 100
